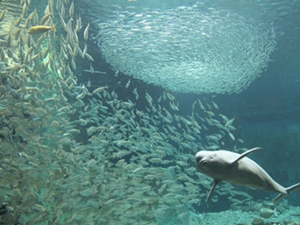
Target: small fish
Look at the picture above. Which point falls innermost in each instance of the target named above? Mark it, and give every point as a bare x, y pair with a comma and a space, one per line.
224, 118
89, 57
215, 105
78, 24
231, 136
62, 21
18, 21
136, 94
201, 105
8, 40
73, 64
40, 29
173, 106
62, 10
71, 10
127, 84
40, 40
84, 49
45, 18
170, 96
81, 95
24, 9
92, 71
99, 89
86, 32
229, 122
2, 15
26, 23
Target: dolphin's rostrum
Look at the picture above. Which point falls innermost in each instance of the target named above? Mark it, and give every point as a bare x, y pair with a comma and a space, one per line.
238, 169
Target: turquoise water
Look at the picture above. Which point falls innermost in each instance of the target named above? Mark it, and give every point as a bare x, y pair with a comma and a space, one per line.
86, 137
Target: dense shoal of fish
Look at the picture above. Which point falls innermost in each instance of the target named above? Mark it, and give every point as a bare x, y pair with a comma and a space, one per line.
71, 155
189, 49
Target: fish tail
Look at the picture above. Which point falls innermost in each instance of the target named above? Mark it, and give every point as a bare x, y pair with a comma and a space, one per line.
293, 188
54, 28
289, 190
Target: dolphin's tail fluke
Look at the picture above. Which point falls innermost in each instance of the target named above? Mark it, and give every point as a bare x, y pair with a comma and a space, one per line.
289, 190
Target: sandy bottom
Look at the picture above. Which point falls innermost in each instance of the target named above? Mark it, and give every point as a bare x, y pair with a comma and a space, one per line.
230, 217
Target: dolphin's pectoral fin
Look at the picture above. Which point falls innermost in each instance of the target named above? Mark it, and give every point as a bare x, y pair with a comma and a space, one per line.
212, 190
289, 190
279, 197
245, 154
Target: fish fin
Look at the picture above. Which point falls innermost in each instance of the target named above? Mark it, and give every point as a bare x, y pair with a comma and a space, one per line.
212, 190
245, 154
289, 190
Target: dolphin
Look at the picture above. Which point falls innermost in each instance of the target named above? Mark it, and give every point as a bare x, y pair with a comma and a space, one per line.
238, 169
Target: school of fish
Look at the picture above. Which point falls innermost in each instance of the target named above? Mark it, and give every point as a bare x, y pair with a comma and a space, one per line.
189, 49
72, 155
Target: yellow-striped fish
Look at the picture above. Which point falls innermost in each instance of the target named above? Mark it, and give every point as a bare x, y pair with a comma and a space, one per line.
40, 29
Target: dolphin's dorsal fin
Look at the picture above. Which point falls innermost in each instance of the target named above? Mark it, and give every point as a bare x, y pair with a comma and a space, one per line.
212, 190
245, 154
